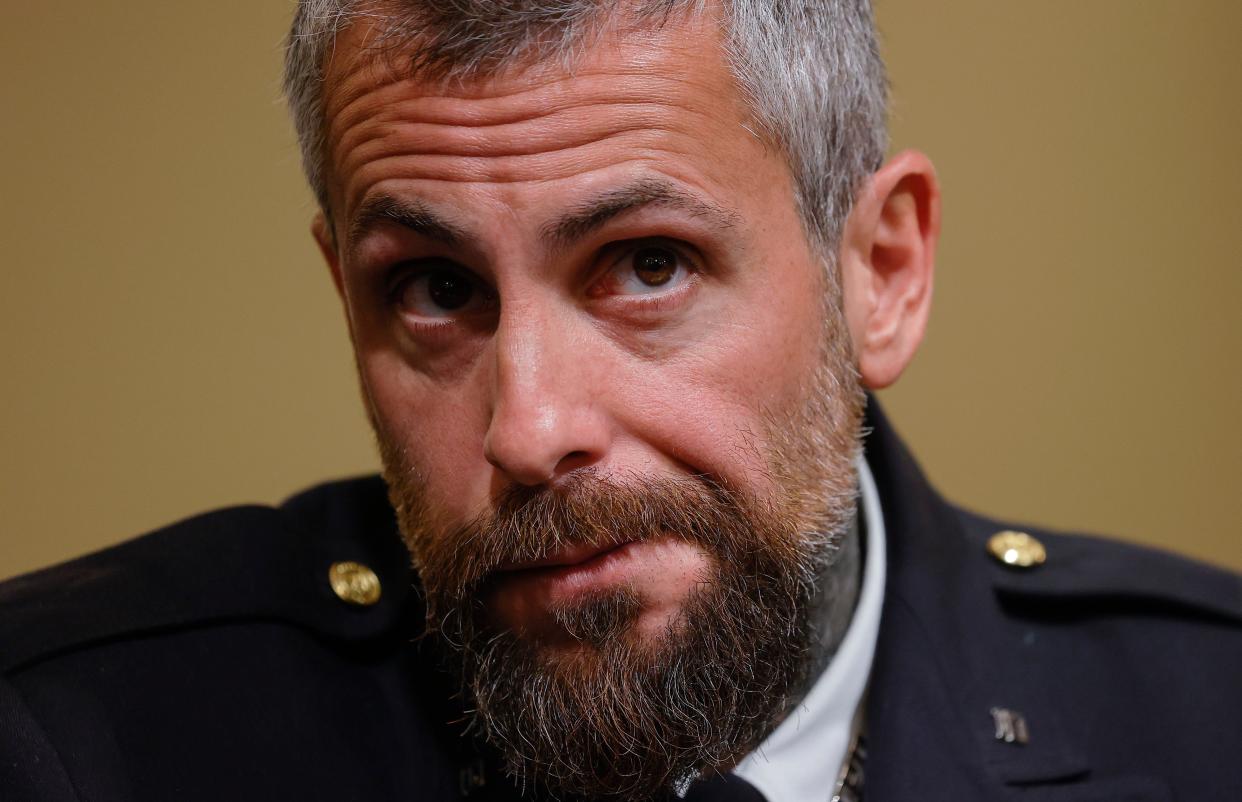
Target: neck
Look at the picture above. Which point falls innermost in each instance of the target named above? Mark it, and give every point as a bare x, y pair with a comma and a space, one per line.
836, 596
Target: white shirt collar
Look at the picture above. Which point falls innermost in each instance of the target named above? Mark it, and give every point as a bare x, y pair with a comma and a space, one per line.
803, 755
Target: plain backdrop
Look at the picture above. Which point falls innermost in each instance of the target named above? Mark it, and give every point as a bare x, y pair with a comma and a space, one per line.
170, 341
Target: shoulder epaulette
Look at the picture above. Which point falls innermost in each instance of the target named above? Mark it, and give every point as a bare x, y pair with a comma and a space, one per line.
1076, 567
238, 564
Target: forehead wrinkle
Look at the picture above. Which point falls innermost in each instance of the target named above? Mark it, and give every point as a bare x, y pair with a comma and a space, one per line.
541, 167
362, 97
473, 105
383, 140
525, 103
532, 126
361, 101
438, 125
499, 150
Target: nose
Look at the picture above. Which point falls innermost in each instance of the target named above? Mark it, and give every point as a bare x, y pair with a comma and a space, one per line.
545, 418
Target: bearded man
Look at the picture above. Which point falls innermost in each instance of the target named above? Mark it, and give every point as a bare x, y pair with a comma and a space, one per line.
618, 278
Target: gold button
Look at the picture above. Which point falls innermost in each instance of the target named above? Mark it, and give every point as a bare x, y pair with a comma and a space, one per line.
1017, 549
355, 583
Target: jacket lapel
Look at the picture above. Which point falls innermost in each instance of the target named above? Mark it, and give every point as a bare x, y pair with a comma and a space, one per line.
947, 657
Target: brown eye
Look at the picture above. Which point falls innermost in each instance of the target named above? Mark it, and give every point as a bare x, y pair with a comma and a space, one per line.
648, 269
449, 291
441, 292
655, 267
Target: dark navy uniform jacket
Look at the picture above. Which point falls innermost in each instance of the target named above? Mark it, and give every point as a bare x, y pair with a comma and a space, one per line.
212, 660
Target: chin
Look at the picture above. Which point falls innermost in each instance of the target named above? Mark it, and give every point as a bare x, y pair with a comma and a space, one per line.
706, 676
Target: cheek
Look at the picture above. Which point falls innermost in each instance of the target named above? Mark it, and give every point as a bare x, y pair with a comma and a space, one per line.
709, 404
438, 425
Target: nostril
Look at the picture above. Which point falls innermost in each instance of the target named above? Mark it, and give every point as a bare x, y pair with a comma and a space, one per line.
574, 460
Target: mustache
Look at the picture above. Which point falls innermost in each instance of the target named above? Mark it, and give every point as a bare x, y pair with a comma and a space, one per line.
588, 509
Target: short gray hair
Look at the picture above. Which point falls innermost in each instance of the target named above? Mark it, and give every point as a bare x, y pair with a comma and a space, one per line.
809, 70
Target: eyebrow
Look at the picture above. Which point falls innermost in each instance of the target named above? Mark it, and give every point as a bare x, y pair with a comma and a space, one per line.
586, 218
410, 214
592, 215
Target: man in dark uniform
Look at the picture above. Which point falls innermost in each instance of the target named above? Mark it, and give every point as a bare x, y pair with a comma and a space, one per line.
618, 278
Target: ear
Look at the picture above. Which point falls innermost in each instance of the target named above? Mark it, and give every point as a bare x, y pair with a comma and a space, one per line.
887, 258
321, 230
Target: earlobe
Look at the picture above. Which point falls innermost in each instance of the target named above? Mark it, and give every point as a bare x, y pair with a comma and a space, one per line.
887, 262
321, 230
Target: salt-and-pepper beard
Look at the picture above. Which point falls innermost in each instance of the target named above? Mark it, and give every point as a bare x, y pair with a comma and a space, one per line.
624, 717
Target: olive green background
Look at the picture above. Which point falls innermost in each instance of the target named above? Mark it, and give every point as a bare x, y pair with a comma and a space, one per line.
170, 342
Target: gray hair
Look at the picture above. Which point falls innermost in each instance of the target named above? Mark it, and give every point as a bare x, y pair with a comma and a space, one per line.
809, 70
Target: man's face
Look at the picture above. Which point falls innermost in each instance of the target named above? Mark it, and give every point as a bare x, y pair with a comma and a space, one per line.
588, 291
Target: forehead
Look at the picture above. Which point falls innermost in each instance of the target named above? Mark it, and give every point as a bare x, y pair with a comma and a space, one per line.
650, 100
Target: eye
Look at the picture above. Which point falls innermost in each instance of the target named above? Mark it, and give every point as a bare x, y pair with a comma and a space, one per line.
440, 292
647, 270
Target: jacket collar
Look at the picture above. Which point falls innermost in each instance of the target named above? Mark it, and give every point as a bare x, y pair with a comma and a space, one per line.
947, 655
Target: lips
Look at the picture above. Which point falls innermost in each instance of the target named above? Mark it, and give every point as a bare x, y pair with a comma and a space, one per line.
562, 575
572, 556
528, 597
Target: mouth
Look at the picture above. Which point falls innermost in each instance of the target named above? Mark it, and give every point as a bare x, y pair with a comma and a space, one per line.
569, 557
563, 575
660, 572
